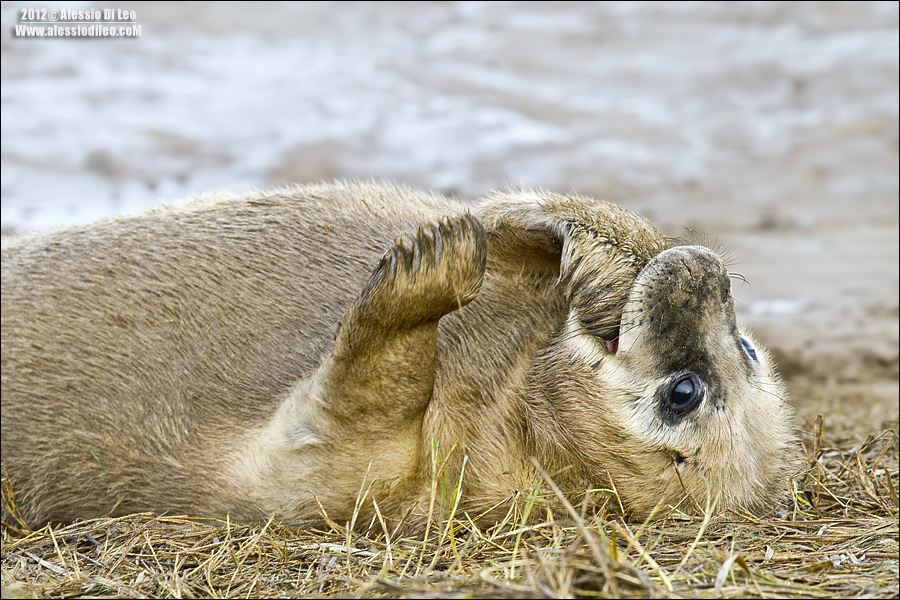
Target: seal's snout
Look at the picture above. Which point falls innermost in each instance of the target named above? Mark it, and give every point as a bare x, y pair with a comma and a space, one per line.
691, 275
681, 295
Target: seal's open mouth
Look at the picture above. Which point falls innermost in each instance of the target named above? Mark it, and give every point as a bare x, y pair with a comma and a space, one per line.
612, 346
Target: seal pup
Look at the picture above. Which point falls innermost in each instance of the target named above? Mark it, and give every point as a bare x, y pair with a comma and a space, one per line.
274, 353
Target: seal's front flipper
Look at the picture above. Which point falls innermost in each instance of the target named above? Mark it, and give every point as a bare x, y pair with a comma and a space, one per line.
382, 364
596, 249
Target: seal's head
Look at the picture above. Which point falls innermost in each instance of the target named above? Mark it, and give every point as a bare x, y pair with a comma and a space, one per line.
688, 404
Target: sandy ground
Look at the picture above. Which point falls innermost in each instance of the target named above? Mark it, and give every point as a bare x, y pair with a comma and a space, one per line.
773, 127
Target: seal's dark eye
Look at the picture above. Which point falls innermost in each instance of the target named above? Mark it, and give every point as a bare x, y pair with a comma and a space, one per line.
748, 348
683, 393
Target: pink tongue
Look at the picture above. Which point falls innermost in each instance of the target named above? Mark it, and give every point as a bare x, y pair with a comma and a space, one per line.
612, 345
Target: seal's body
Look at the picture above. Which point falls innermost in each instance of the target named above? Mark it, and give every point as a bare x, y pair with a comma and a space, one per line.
239, 355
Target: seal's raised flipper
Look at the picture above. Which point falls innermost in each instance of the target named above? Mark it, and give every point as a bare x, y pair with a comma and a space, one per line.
382, 364
595, 248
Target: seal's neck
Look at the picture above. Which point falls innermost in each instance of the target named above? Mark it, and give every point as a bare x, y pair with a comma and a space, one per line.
553, 386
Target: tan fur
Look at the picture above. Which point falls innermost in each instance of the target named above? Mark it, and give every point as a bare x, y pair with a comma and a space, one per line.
239, 355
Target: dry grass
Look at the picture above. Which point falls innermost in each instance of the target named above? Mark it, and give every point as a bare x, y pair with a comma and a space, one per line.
838, 538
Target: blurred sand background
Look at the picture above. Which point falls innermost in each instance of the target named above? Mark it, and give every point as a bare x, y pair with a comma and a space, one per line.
771, 125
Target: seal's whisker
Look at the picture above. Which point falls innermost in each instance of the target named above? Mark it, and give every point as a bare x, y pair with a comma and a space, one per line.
739, 277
